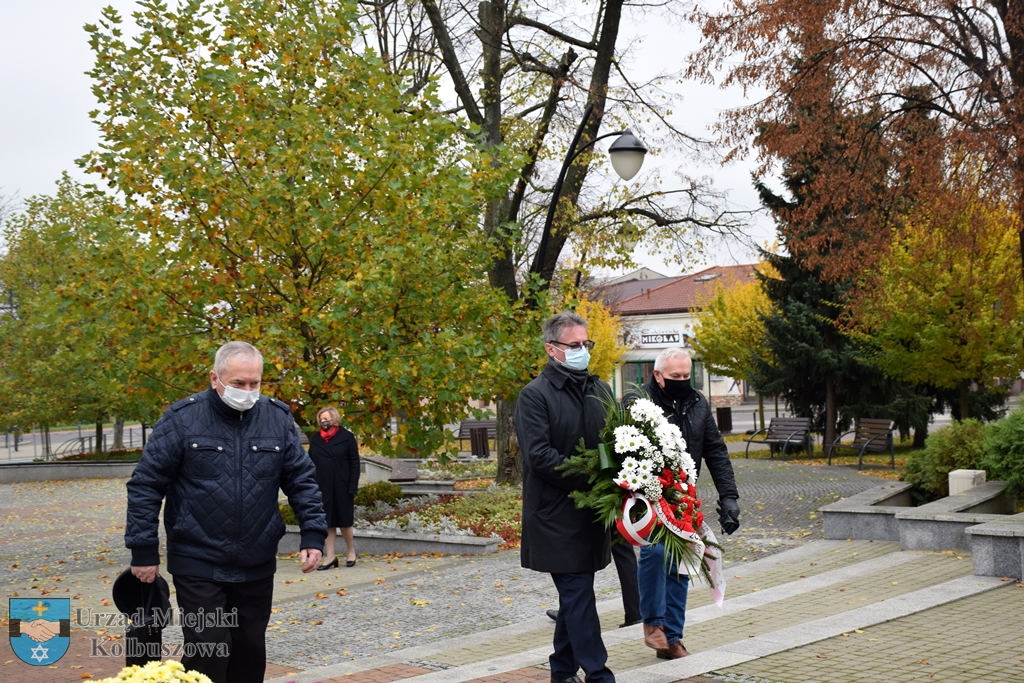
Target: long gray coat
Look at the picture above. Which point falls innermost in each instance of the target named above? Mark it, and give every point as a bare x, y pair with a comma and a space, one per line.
552, 413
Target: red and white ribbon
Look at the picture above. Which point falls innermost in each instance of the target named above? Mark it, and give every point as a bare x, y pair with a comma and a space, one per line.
636, 532
713, 556
691, 564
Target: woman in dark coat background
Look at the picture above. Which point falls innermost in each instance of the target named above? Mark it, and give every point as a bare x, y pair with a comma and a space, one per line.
336, 457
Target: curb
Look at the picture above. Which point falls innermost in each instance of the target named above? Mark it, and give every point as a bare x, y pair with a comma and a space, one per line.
12, 473
373, 542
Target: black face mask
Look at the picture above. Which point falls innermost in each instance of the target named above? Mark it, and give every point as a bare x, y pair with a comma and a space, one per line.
325, 426
678, 389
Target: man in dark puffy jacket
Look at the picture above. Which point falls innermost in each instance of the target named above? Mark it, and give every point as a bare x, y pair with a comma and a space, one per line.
554, 411
219, 458
662, 590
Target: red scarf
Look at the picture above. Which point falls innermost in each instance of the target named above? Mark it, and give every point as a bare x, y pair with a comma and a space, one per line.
329, 433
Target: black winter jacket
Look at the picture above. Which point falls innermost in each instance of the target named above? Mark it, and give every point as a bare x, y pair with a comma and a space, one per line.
220, 470
703, 440
552, 413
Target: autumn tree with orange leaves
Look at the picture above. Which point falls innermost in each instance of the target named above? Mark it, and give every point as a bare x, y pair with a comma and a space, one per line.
959, 64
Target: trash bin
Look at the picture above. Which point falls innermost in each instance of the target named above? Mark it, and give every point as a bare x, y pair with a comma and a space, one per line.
478, 442
724, 418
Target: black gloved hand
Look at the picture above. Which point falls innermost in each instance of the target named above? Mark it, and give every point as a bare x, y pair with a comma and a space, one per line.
729, 514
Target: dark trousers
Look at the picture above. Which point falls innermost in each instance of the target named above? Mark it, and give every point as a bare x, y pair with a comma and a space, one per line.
625, 567
578, 641
246, 660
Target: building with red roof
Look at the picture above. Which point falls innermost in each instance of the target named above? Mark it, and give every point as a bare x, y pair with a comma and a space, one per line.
663, 315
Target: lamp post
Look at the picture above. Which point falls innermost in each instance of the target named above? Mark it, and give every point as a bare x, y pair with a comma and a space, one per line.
627, 156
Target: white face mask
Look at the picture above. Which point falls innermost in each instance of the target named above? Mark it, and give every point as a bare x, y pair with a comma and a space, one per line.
239, 399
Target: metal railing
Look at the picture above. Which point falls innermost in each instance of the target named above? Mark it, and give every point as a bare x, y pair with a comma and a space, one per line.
32, 445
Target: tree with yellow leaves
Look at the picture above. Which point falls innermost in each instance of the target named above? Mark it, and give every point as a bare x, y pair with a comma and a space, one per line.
605, 329
945, 306
730, 329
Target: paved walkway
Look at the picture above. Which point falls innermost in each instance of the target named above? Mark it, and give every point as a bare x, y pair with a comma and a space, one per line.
799, 609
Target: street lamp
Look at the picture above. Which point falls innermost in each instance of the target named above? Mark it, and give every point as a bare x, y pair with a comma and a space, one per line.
627, 156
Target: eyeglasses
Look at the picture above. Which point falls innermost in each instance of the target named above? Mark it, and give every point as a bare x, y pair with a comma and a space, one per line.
576, 346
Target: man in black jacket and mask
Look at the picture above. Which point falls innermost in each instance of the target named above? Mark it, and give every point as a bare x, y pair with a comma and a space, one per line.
561, 406
662, 590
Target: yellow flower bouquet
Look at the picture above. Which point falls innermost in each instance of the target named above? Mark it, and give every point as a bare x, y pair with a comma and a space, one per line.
170, 671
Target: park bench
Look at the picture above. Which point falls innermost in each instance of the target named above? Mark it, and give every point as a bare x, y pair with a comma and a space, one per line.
784, 432
478, 432
870, 436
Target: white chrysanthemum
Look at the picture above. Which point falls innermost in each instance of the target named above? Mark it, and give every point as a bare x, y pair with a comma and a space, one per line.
663, 433
654, 456
630, 463
652, 489
624, 436
644, 468
639, 443
644, 410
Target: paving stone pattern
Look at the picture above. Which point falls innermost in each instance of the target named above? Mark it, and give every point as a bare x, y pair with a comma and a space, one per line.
978, 640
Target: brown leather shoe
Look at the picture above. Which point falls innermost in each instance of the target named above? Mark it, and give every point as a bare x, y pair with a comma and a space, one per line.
673, 651
654, 637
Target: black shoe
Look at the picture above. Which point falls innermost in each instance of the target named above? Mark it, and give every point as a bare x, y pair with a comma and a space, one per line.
330, 565
553, 613
572, 679
350, 563
627, 624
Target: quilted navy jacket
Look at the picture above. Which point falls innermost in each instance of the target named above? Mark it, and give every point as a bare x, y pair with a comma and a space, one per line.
220, 470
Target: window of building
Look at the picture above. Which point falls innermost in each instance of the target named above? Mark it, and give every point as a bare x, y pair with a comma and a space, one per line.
641, 373
637, 373
697, 375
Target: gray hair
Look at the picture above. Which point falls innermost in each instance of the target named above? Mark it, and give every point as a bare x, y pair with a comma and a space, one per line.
667, 355
232, 349
556, 324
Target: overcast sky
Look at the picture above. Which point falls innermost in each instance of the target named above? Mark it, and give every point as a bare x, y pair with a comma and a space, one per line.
44, 122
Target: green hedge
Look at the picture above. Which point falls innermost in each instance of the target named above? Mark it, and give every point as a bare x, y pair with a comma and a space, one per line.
958, 446
997, 448
379, 490
1004, 451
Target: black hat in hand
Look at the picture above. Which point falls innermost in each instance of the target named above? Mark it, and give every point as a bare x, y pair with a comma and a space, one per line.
131, 595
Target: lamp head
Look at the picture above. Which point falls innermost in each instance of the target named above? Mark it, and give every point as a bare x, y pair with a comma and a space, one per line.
627, 155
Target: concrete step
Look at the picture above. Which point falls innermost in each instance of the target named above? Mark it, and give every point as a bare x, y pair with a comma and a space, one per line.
786, 601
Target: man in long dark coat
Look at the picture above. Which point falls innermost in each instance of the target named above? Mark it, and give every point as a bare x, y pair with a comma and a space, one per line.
563, 404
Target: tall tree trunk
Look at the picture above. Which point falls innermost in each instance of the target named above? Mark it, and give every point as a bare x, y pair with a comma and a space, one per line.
118, 444
598, 96
831, 414
98, 447
47, 450
760, 408
510, 463
965, 398
920, 434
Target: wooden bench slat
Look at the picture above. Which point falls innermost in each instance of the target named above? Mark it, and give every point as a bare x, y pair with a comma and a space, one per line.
871, 435
784, 431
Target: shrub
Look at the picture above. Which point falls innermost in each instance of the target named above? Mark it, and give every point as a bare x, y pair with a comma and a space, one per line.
495, 511
379, 490
1004, 451
961, 445
287, 514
